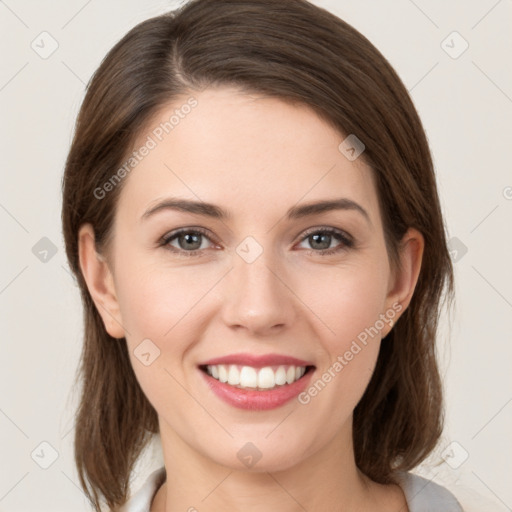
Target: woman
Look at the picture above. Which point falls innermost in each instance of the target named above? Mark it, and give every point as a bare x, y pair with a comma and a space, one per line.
251, 212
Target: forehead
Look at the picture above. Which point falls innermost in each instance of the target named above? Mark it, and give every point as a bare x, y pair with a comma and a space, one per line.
243, 151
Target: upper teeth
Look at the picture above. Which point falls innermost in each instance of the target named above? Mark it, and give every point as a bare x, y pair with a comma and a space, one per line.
249, 377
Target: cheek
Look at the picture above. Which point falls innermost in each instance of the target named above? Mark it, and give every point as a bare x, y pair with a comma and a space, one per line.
156, 301
348, 300
159, 313
168, 307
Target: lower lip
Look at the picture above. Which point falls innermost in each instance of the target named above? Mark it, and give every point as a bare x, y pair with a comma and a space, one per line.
257, 400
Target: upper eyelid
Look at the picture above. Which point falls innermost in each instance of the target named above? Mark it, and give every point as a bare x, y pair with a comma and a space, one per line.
329, 229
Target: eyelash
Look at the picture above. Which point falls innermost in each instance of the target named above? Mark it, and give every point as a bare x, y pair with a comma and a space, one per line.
347, 241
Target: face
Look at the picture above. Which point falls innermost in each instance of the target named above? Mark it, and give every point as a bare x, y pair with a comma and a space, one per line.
267, 278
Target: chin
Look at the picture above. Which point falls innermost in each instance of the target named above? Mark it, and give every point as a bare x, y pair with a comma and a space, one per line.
257, 455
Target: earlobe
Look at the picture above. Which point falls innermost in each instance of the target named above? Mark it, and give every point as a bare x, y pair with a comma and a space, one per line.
100, 282
404, 279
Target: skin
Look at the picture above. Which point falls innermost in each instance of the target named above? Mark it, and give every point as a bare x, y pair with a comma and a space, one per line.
255, 157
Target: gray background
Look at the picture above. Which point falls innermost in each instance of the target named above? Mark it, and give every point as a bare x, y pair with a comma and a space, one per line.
465, 101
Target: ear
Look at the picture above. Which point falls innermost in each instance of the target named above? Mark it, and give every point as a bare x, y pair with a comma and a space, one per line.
100, 281
403, 280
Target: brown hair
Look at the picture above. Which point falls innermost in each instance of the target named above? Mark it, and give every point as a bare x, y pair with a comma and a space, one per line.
297, 52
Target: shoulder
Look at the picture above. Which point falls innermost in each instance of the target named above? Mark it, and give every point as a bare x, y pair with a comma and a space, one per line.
141, 500
423, 495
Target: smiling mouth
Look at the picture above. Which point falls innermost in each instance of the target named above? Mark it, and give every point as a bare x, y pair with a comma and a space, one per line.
258, 379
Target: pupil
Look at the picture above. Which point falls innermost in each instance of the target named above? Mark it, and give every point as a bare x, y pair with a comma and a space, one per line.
319, 236
190, 238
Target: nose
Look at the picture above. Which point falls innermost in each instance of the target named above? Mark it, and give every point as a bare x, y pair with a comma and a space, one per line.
257, 297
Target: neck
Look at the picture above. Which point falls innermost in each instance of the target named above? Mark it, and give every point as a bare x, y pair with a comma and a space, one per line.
326, 480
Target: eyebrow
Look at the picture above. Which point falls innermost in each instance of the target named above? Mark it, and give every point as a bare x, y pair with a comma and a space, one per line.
216, 212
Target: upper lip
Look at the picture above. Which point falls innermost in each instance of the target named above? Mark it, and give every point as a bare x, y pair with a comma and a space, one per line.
257, 361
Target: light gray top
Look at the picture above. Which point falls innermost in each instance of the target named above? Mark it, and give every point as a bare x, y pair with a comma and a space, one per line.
421, 494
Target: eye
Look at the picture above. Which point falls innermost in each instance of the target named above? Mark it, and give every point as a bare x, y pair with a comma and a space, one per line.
189, 241
320, 240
